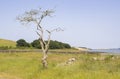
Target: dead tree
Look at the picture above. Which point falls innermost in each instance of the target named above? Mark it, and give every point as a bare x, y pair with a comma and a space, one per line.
36, 17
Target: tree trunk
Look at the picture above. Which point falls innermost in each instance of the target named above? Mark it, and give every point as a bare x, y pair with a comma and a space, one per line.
44, 60
45, 47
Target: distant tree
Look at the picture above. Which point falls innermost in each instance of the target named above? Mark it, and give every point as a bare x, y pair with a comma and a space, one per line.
58, 45
22, 43
36, 44
66, 45
36, 16
52, 45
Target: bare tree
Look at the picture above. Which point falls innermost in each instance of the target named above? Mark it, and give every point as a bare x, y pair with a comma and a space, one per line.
36, 16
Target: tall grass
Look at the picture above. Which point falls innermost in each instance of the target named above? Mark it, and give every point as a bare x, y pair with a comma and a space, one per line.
28, 66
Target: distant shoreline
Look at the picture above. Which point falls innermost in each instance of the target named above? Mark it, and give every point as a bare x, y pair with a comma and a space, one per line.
110, 51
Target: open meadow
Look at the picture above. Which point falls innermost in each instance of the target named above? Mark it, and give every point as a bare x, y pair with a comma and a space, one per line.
85, 66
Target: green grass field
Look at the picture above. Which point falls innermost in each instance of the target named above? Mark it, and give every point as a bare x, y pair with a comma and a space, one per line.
28, 66
8, 43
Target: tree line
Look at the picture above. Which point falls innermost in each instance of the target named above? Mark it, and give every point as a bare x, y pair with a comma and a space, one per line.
21, 43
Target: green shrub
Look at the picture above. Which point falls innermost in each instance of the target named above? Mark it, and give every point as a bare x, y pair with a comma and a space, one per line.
22, 43
53, 44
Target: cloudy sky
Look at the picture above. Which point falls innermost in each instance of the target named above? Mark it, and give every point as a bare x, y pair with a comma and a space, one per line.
86, 23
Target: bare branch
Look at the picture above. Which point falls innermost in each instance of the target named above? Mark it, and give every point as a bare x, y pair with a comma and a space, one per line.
32, 12
57, 29
48, 31
38, 34
48, 12
45, 14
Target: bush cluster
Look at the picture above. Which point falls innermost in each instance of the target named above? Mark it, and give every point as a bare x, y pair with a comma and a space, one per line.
22, 43
58, 45
5, 47
36, 44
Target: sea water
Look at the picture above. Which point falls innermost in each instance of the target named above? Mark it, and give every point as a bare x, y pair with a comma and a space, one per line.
112, 51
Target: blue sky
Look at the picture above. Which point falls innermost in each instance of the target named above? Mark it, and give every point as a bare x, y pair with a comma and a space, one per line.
86, 23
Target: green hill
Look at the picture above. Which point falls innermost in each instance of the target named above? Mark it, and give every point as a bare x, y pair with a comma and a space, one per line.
9, 43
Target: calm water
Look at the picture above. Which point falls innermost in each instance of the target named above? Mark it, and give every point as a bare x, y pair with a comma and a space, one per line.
114, 51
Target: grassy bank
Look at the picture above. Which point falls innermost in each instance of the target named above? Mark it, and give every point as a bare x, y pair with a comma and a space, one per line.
28, 66
7, 43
